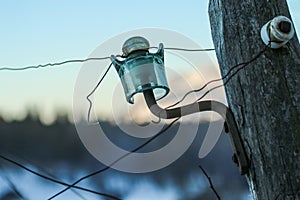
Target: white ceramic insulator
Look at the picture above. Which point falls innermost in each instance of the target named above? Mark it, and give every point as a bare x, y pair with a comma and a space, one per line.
271, 32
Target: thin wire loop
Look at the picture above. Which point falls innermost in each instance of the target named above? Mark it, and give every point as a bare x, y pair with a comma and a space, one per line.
91, 93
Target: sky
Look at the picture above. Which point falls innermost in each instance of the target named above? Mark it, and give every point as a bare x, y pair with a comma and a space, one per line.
39, 32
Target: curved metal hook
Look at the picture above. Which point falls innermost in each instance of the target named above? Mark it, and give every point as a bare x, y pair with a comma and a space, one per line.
230, 126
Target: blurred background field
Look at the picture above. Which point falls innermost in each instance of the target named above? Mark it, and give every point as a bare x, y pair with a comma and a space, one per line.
56, 150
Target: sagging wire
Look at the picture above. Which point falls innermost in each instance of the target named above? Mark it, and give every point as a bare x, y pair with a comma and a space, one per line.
245, 64
55, 180
90, 94
117, 160
228, 76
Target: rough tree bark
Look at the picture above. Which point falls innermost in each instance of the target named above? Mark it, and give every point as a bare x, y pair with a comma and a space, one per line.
265, 96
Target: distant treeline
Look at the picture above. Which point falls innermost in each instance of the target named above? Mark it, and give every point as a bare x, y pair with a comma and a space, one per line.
52, 146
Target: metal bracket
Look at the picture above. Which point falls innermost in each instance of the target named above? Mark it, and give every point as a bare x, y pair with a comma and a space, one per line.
239, 157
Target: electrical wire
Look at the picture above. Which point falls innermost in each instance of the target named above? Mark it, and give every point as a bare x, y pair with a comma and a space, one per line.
225, 76
245, 64
56, 181
90, 59
92, 92
228, 75
117, 160
45, 171
51, 64
232, 75
184, 49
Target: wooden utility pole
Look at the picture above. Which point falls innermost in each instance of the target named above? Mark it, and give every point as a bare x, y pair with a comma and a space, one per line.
264, 96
